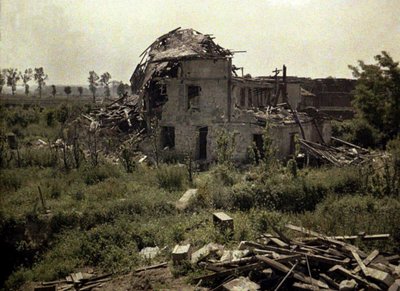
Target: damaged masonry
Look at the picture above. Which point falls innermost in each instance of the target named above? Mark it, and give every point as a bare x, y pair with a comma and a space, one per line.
188, 84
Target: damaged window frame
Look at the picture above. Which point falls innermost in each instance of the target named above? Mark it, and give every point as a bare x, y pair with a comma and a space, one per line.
167, 137
193, 94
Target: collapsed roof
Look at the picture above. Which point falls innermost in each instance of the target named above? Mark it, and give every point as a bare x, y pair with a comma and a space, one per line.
162, 55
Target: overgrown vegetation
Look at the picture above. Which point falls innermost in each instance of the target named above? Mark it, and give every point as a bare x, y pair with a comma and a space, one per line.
101, 214
377, 101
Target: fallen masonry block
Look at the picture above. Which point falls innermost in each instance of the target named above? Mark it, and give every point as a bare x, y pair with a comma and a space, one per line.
241, 283
232, 256
149, 252
395, 286
380, 276
205, 252
180, 253
348, 285
223, 221
184, 201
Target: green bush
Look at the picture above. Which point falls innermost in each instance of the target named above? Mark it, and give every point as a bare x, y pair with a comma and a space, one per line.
212, 192
226, 174
23, 117
50, 117
171, 177
352, 214
357, 131
93, 175
10, 180
40, 157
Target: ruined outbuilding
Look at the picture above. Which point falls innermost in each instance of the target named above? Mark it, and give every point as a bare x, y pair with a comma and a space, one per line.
187, 83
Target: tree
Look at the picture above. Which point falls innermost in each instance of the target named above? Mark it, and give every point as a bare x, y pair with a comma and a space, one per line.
26, 77
105, 83
93, 78
40, 78
80, 90
53, 91
13, 77
121, 89
377, 94
67, 90
2, 79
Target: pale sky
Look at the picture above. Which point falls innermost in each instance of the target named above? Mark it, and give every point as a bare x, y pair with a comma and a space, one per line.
314, 38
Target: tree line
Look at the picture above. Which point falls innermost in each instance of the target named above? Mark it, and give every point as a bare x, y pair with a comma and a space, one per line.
12, 76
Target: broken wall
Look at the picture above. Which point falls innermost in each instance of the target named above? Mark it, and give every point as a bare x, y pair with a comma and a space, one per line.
283, 137
187, 113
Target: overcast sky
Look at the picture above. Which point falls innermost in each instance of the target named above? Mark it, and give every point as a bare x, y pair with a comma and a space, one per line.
314, 38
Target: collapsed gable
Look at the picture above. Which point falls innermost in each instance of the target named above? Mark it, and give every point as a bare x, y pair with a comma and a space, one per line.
162, 56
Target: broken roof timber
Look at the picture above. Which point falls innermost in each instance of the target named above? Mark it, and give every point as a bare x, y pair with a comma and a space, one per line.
178, 44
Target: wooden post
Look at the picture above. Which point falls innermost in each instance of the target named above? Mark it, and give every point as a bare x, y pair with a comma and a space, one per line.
42, 199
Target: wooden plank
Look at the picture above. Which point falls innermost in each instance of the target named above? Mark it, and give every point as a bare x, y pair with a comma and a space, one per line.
360, 263
54, 282
286, 259
298, 276
304, 286
345, 247
368, 260
349, 144
162, 265
375, 236
236, 262
349, 274
278, 242
311, 257
238, 270
329, 280
393, 258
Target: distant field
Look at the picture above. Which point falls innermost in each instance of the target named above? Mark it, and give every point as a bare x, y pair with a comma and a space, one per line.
8, 99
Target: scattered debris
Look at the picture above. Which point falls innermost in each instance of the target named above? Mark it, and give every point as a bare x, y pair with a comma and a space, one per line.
75, 281
315, 262
345, 154
206, 252
40, 143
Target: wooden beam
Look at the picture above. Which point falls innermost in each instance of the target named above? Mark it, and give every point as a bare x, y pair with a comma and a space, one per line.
298, 276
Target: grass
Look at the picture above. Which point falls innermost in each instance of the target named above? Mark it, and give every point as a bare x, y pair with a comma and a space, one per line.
102, 216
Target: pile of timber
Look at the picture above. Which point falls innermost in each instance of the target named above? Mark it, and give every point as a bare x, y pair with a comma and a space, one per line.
344, 154
311, 262
75, 281
120, 116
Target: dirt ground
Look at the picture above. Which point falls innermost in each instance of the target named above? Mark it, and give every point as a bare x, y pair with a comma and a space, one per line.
157, 279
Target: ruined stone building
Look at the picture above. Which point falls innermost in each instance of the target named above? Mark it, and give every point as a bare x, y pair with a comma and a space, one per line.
189, 85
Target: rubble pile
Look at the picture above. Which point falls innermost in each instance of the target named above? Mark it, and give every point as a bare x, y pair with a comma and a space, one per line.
343, 155
121, 116
313, 262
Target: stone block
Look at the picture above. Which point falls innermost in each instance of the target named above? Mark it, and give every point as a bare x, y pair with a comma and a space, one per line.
180, 253
223, 222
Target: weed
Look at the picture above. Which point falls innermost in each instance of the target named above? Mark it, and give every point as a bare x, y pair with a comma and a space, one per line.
171, 178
